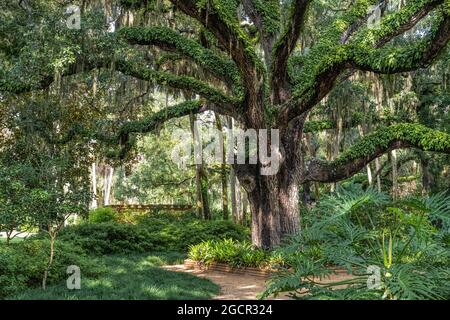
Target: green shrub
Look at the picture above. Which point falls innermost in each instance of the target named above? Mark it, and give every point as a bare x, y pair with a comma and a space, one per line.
101, 215
235, 253
110, 238
22, 264
357, 229
159, 232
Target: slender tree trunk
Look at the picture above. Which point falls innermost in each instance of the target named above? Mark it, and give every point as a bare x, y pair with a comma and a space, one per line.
238, 202
8, 237
198, 180
306, 199
94, 203
377, 168
204, 189
233, 195
244, 208
50, 260
368, 169
223, 174
108, 185
200, 174
426, 176
232, 177
394, 174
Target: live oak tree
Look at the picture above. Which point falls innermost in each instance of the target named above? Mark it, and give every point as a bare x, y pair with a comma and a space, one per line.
256, 71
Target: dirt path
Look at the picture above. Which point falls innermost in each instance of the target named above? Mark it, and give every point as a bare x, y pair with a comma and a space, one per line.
235, 286
232, 286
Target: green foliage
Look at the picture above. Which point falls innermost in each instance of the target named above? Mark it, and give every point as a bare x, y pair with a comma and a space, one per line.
355, 229
415, 134
16, 200
100, 215
211, 94
223, 67
235, 253
270, 12
162, 232
22, 264
132, 277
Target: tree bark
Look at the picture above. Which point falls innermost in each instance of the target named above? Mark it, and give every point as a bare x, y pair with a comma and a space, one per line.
426, 176
223, 173
94, 186
274, 199
108, 185
275, 209
50, 260
201, 181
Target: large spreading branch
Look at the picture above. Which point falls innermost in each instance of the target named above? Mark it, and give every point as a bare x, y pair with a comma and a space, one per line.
146, 125
265, 14
185, 83
372, 146
326, 62
408, 58
129, 67
285, 45
170, 40
222, 22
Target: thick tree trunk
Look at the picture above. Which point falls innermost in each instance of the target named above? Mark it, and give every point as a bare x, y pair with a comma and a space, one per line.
274, 199
275, 211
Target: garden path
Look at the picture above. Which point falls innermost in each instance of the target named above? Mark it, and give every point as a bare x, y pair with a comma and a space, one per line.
234, 286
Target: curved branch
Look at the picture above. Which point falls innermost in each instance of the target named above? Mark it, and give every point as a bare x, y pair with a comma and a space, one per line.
415, 56
219, 18
374, 145
170, 40
265, 15
285, 44
190, 84
152, 122
326, 62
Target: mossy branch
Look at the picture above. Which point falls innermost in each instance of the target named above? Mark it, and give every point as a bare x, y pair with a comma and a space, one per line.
125, 134
186, 83
370, 147
407, 58
285, 44
220, 18
168, 39
330, 57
